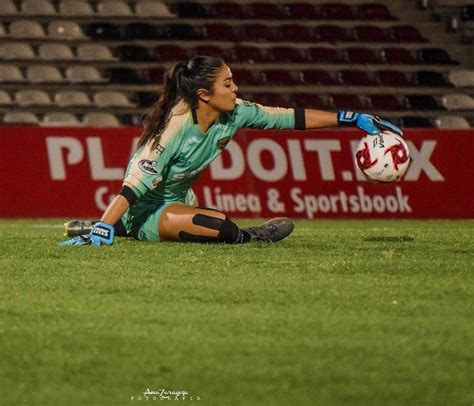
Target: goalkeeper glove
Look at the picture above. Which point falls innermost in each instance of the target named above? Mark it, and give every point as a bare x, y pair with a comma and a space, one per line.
366, 122
102, 233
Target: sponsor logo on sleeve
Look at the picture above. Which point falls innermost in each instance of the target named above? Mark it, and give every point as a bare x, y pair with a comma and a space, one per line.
148, 166
222, 143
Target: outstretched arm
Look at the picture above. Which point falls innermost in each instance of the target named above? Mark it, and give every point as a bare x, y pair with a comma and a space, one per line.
366, 122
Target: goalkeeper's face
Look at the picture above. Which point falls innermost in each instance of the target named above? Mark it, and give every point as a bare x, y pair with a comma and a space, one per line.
224, 91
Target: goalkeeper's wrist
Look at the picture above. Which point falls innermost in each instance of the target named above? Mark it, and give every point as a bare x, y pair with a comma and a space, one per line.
347, 118
104, 232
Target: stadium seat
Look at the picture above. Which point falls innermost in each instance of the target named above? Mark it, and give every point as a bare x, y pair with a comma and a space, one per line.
393, 78
5, 98
306, 100
105, 31
256, 32
32, 97
55, 52
44, 74
349, 101
146, 99
452, 122
3, 32
184, 32
371, 33
115, 8
318, 77
166, 53
111, 99
416, 122
457, 101
8, 8
385, 102
251, 54
83, 74
304, 11
260, 10
134, 53
35, 7
68, 98
361, 55
153, 75
123, 75
325, 55
20, 117
350, 77
434, 56
100, 119
94, 52
225, 10
26, 29
406, 34
467, 13
59, 119
16, 50
248, 77
212, 50
296, 33
287, 54
422, 102
333, 33
398, 56
10, 73
269, 99
462, 78
144, 31
337, 11
75, 8
190, 10
374, 11
153, 8
65, 30
282, 77
430, 79
220, 32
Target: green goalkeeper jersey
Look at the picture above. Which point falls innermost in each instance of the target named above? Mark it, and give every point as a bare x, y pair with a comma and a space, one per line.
167, 172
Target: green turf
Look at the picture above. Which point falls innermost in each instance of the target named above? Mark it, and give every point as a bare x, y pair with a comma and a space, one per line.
343, 313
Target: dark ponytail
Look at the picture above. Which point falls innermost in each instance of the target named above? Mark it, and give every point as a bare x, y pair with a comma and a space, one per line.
181, 81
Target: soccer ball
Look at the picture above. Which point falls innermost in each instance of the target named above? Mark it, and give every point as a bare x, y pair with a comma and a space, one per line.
383, 158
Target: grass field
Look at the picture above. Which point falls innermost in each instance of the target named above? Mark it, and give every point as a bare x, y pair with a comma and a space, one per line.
342, 312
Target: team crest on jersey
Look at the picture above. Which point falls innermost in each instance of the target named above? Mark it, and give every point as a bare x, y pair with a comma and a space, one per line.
222, 143
148, 166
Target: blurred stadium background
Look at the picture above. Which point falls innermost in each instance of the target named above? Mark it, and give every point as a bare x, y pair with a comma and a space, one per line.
100, 63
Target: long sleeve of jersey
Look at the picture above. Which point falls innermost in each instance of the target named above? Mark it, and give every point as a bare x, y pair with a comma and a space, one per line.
254, 115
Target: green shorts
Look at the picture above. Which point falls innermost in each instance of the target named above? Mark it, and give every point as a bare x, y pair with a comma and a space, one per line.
143, 224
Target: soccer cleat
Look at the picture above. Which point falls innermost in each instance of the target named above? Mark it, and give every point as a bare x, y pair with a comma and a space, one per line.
75, 228
272, 231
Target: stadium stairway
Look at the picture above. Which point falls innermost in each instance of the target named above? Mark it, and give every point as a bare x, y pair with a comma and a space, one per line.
406, 78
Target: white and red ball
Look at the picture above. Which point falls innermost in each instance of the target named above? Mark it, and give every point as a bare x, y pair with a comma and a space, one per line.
383, 158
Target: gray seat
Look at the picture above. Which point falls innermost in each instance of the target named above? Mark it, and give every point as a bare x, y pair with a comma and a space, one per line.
35, 7
111, 99
60, 119
7, 7
83, 74
66, 98
62, 29
152, 8
16, 50
11, 73
43, 74
32, 97
94, 52
20, 117
54, 52
452, 122
76, 8
100, 119
113, 8
26, 29
5, 98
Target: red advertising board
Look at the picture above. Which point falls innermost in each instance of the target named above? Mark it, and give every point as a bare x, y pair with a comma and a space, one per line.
74, 172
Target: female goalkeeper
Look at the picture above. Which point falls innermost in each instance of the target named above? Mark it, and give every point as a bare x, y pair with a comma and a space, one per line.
197, 114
